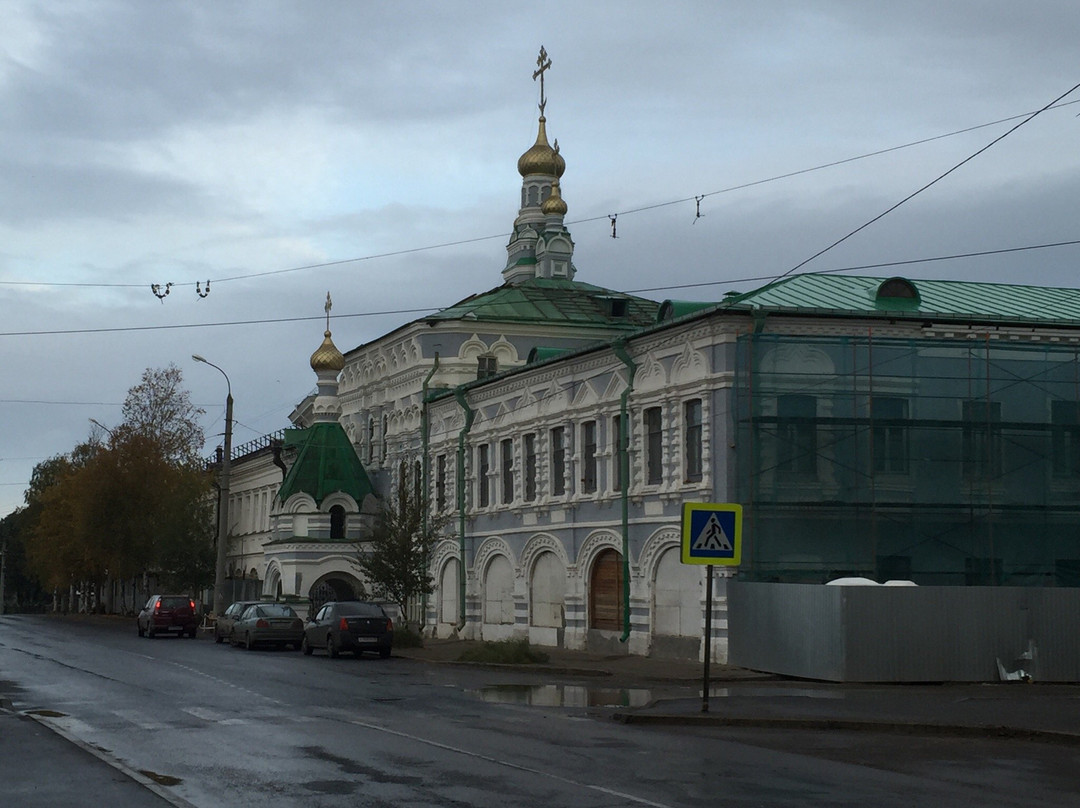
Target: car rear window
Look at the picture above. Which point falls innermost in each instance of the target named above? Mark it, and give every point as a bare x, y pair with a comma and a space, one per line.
175, 603
276, 610
361, 609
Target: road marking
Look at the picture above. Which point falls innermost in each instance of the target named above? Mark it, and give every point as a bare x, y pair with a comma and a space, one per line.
507, 764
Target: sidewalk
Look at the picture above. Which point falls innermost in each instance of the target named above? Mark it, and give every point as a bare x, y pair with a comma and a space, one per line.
742, 698
41, 768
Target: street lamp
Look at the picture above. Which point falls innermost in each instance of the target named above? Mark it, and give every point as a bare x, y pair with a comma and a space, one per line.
102, 427
223, 489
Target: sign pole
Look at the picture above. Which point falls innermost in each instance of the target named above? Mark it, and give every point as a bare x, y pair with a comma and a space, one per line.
708, 640
711, 534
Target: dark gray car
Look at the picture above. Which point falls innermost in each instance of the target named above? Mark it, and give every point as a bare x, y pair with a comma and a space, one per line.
349, 625
268, 624
223, 626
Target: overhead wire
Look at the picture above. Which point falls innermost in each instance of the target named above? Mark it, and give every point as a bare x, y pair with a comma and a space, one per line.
696, 198
430, 309
913, 194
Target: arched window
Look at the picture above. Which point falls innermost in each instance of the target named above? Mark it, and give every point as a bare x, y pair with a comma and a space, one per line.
337, 522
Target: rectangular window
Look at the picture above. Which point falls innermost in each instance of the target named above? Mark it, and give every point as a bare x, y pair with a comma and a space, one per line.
483, 472
558, 461
440, 482
506, 449
588, 457
385, 436
796, 434
617, 454
981, 441
890, 435
530, 467
486, 366
652, 423
692, 419
1065, 420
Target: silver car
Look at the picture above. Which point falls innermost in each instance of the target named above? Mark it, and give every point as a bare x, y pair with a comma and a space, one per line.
268, 624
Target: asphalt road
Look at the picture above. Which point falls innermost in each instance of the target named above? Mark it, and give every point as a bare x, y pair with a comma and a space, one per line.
216, 726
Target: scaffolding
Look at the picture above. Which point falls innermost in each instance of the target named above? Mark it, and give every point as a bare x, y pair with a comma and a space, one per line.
943, 461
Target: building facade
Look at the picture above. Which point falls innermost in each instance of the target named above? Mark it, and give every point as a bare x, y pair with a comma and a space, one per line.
879, 428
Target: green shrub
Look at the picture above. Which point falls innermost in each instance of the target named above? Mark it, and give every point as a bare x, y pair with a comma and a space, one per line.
505, 652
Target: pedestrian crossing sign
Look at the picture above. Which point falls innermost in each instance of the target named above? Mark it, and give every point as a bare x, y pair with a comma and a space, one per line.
712, 533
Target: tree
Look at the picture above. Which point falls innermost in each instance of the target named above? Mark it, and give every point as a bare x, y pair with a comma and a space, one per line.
394, 561
160, 408
141, 502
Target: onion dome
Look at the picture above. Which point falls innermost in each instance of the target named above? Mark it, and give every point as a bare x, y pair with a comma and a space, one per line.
327, 357
541, 158
554, 204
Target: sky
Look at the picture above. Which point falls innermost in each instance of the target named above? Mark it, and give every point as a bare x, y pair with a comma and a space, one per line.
281, 150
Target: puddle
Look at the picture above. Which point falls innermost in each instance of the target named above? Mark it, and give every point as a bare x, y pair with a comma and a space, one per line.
566, 695
161, 779
583, 696
774, 692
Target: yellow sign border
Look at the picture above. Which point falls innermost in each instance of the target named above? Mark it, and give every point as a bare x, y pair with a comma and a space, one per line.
726, 507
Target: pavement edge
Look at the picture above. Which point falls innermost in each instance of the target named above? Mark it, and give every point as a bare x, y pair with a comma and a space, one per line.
103, 756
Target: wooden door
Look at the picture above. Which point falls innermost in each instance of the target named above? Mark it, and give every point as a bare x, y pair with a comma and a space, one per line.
606, 592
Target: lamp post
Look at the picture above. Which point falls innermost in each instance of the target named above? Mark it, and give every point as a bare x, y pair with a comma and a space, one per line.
223, 493
102, 427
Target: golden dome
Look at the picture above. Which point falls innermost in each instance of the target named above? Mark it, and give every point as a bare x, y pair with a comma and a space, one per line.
327, 357
554, 204
541, 158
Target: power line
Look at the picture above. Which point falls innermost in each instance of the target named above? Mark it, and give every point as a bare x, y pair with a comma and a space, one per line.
606, 217
387, 312
934, 181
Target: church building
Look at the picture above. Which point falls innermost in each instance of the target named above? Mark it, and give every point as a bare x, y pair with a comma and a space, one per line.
880, 429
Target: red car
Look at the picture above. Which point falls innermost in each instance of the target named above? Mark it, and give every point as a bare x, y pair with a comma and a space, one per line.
166, 614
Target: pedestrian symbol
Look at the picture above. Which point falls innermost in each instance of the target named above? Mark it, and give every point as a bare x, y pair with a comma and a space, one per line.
713, 537
712, 533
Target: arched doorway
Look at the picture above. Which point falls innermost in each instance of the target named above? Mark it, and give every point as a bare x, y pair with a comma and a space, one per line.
498, 598
677, 607
332, 587
606, 592
448, 593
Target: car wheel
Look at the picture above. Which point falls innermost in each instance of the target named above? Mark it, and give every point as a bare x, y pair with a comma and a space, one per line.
384, 653
150, 632
307, 649
331, 649
141, 632
248, 644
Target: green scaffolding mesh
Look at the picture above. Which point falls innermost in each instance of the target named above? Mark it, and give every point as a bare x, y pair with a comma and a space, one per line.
941, 461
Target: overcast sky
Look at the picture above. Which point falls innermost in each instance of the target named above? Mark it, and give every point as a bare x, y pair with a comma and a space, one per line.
151, 143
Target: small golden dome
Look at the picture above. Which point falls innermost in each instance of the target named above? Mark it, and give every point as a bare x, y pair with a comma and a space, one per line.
541, 158
554, 204
327, 357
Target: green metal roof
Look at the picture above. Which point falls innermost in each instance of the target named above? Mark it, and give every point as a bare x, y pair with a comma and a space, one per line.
553, 302
933, 299
326, 462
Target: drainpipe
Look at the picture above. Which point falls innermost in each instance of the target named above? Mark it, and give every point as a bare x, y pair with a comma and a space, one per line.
619, 347
459, 394
425, 429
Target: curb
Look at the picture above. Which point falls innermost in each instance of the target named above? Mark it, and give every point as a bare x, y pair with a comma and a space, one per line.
108, 759
891, 727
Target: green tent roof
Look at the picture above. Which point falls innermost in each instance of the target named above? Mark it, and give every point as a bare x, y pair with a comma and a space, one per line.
326, 462
938, 299
553, 301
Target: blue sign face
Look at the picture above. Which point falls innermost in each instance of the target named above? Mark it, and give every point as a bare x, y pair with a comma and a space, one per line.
711, 533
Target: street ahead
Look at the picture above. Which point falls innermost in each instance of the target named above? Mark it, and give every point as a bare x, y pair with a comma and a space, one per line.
228, 727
